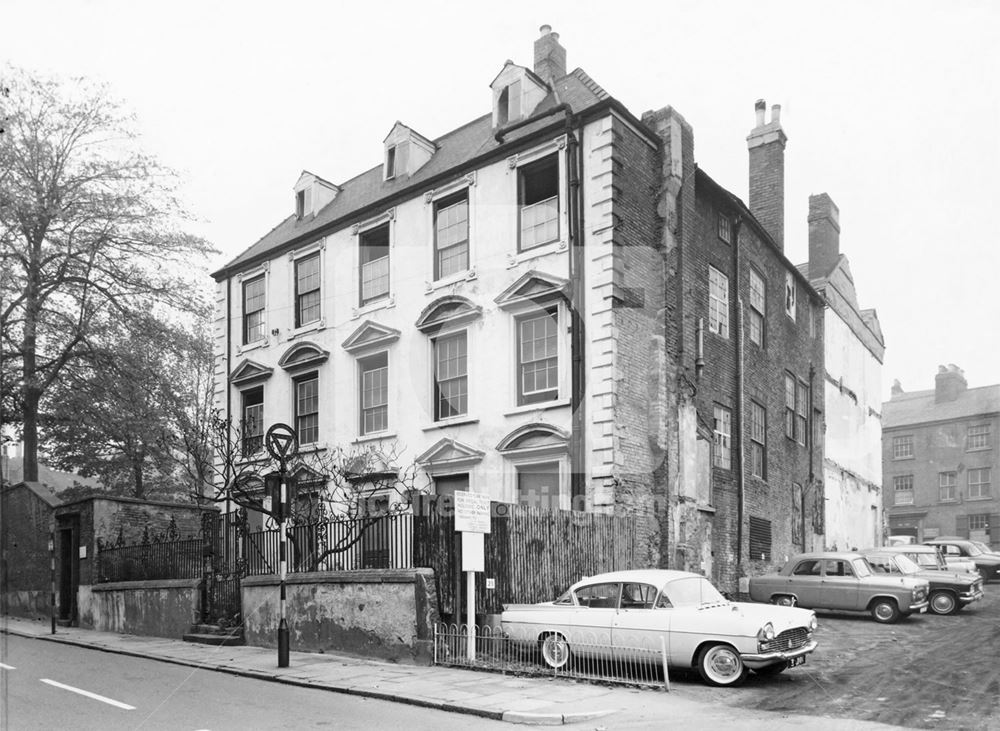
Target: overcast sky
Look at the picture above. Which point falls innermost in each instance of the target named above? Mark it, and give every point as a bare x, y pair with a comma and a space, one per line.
892, 108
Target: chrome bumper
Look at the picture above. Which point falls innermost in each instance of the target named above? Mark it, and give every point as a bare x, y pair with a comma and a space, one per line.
918, 607
753, 661
964, 599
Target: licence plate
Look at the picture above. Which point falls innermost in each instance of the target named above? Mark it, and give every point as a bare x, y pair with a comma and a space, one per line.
800, 660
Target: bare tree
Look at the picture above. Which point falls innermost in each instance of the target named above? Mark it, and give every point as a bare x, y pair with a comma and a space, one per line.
89, 234
362, 484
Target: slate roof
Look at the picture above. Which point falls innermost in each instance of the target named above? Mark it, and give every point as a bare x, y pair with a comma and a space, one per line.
918, 407
468, 142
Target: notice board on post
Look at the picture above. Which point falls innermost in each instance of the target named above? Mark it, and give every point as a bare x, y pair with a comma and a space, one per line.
472, 512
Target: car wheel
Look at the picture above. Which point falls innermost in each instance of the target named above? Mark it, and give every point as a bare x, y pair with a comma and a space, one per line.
772, 669
885, 611
721, 665
555, 650
943, 602
784, 600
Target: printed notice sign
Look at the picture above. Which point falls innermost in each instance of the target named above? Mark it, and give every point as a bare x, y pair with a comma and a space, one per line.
472, 512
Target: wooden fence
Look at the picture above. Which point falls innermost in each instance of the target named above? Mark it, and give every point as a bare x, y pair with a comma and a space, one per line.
532, 554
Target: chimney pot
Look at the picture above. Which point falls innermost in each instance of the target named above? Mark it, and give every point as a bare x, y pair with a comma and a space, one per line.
550, 56
766, 143
775, 113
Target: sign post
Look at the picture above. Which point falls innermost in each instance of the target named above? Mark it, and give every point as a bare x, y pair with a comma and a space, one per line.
472, 518
282, 444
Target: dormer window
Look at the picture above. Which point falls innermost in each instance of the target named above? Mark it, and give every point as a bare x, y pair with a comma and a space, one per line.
390, 162
509, 104
312, 193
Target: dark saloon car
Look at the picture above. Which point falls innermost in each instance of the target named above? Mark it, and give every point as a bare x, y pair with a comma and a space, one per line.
963, 549
949, 591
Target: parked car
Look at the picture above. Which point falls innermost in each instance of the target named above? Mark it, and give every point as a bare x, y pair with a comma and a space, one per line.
899, 540
612, 615
966, 550
949, 591
978, 544
930, 558
841, 581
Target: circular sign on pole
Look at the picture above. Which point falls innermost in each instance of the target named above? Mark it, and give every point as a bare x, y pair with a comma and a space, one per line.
281, 442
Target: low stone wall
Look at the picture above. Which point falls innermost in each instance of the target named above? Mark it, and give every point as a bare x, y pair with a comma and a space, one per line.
385, 613
163, 608
27, 603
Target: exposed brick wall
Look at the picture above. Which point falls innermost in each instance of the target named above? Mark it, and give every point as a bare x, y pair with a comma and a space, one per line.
106, 522
24, 540
637, 316
792, 346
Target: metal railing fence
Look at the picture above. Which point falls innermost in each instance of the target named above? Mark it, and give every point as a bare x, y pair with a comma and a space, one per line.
580, 655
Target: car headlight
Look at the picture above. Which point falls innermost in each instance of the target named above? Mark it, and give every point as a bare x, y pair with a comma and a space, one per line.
813, 623
766, 632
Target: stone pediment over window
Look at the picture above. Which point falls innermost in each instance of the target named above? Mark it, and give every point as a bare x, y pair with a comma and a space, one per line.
306, 477
447, 455
535, 439
370, 334
447, 311
535, 288
303, 355
249, 371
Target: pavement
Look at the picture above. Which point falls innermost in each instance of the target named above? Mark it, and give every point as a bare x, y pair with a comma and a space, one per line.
516, 699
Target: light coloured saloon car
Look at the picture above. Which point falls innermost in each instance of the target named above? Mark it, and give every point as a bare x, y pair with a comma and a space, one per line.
640, 615
841, 581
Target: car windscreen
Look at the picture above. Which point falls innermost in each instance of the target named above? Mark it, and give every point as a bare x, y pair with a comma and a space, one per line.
906, 565
929, 560
861, 568
974, 550
982, 546
692, 591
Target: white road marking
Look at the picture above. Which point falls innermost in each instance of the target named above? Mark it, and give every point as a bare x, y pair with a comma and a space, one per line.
88, 694
7, 667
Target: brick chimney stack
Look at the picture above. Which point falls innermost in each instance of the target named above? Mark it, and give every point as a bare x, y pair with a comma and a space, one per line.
949, 383
897, 388
550, 56
766, 142
824, 235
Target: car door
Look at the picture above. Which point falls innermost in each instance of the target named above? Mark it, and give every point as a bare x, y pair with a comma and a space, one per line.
806, 582
640, 622
597, 605
840, 585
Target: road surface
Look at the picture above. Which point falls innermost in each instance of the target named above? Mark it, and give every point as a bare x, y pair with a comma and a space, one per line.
47, 685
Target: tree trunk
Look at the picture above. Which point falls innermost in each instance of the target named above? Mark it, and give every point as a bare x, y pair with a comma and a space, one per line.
137, 474
31, 388
29, 417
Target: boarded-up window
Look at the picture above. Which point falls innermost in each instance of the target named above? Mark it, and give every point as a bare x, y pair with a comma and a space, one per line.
760, 539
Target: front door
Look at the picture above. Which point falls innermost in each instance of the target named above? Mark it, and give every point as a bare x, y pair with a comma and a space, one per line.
69, 567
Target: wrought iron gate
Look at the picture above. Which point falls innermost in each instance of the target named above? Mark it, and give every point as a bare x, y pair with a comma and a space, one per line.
225, 538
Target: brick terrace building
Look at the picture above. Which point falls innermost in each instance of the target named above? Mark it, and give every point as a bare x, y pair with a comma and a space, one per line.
940, 459
746, 349
544, 305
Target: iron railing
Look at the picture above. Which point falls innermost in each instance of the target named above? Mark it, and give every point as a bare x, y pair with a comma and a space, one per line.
148, 561
580, 655
382, 542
